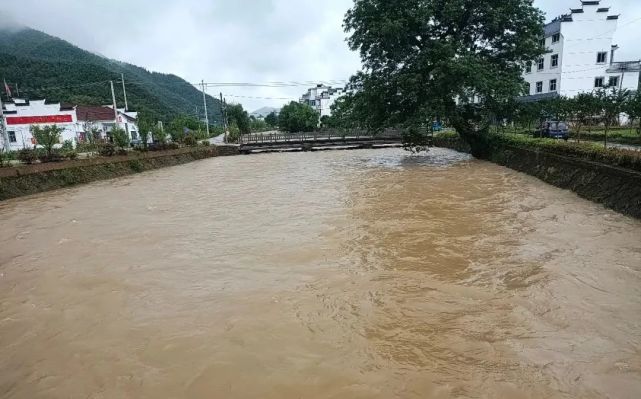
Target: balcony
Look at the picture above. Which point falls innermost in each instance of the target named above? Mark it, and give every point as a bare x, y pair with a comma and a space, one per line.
627, 66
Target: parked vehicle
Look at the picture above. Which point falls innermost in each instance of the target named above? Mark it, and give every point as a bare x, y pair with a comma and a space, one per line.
553, 129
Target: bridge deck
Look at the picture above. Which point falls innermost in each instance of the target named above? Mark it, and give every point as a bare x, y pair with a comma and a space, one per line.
315, 140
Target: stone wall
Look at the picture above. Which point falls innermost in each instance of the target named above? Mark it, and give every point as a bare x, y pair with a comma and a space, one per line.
32, 179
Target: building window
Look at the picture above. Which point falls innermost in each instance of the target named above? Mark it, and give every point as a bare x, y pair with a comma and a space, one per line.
554, 61
12, 136
613, 81
134, 135
556, 37
527, 88
601, 57
539, 87
553, 85
528, 67
598, 82
312, 102
541, 64
542, 42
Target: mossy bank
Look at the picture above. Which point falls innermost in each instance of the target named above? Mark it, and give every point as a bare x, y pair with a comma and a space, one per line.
32, 179
609, 177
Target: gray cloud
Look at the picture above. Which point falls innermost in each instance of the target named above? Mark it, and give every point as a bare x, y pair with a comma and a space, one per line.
237, 40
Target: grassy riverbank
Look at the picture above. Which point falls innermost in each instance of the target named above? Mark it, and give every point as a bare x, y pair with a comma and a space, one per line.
626, 135
590, 151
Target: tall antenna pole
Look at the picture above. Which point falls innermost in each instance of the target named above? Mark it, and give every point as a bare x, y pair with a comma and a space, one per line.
17, 90
124, 90
205, 105
113, 99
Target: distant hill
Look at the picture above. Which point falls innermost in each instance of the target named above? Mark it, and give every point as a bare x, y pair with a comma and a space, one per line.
264, 111
44, 66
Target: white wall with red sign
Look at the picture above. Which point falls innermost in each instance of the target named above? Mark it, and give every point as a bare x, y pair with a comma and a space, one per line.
20, 116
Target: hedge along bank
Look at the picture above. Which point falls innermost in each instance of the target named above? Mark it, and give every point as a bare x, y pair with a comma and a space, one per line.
611, 177
32, 179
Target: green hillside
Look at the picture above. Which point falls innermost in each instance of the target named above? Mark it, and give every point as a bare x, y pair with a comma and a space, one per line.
44, 66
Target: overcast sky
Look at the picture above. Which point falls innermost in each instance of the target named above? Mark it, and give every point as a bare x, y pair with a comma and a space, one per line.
238, 40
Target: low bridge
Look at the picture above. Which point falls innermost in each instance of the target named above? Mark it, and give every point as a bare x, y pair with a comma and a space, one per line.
316, 141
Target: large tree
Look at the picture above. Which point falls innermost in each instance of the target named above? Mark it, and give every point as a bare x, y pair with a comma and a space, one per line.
297, 117
236, 113
429, 59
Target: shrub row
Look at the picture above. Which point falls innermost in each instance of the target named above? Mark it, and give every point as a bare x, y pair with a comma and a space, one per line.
589, 151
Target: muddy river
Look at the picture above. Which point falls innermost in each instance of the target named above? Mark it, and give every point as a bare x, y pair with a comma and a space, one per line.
346, 274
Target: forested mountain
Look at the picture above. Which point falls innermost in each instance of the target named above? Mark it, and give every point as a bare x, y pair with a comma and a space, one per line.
44, 66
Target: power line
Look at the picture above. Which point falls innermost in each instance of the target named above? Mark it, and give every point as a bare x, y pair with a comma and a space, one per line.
260, 98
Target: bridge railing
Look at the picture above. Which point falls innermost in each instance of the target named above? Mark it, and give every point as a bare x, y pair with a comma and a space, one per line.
324, 135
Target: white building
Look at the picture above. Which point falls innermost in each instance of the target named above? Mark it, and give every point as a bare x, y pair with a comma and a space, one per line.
103, 120
321, 98
581, 55
19, 115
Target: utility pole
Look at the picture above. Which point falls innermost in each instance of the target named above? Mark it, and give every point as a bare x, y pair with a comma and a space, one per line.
17, 90
222, 114
205, 105
124, 90
113, 99
3, 130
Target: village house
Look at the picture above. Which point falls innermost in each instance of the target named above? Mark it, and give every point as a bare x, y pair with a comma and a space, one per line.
76, 122
580, 55
321, 98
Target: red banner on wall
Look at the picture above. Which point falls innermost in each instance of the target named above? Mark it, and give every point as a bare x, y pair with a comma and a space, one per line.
32, 120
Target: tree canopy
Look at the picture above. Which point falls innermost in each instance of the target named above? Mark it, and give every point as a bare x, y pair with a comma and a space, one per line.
429, 59
237, 114
272, 119
297, 117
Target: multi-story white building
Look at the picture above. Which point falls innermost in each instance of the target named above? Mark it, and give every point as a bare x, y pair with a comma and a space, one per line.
580, 56
321, 98
76, 121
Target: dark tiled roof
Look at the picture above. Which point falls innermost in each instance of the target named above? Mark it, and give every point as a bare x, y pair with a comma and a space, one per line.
603, 9
613, 17
590, 2
94, 114
576, 10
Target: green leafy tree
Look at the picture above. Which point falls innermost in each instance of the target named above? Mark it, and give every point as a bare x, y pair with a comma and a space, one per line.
297, 117
47, 137
558, 108
612, 103
145, 127
258, 125
158, 135
632, 107
272, 119
582, 110
529, 114
240, 117
120, 137
433, 59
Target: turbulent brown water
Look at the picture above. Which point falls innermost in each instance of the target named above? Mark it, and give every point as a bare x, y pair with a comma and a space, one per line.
348, 274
